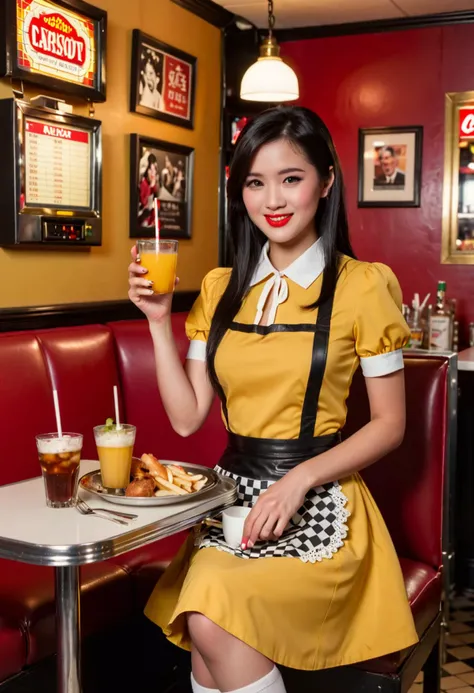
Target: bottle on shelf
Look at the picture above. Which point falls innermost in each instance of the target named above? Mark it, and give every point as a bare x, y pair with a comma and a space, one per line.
441, 321
428, 312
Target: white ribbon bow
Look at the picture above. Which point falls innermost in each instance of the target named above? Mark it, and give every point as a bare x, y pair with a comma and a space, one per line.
278, 283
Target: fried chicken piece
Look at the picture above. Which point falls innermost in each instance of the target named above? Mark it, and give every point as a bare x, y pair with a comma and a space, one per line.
143, 488
154, 466
138, 470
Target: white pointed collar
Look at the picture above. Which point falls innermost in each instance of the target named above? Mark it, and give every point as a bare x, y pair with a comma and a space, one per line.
303, 271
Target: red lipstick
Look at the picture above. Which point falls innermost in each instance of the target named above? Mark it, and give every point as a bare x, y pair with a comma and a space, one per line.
278, 220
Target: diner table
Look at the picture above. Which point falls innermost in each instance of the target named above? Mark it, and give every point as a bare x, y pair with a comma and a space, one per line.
31, 532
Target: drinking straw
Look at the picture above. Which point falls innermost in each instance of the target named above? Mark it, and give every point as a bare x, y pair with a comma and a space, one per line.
117, 416
156, 202
58, 414
425, 300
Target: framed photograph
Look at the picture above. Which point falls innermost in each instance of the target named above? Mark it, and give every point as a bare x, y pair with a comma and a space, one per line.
390, 167
58, 44
165, 171
163, 82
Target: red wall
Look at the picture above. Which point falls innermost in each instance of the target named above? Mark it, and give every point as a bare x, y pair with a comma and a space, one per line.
388, 79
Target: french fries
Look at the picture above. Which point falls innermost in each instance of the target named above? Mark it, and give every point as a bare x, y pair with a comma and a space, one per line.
178, 481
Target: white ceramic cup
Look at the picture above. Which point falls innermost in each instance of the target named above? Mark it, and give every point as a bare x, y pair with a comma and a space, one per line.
233, 520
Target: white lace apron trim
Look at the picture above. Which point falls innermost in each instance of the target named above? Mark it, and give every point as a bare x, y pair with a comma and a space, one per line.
315, 532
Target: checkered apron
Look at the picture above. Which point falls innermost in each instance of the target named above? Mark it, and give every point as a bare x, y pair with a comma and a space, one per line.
319, 527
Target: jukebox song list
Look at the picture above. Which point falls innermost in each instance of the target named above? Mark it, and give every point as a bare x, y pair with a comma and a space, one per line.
57, 165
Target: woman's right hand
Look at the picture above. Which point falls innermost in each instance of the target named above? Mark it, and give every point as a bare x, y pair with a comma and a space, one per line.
156, 307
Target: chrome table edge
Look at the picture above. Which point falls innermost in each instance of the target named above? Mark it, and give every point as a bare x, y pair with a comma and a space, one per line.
81, 554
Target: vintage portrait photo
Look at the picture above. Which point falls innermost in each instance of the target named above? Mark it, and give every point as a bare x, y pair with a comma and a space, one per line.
164, 171
390, 167
163, 81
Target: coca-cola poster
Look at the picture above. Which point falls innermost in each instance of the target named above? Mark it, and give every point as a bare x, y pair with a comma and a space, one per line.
458, 191
390, 166
163, 81
466, 123
59, 44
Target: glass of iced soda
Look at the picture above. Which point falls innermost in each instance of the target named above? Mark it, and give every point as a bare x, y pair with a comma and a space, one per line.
115, 449
59, 457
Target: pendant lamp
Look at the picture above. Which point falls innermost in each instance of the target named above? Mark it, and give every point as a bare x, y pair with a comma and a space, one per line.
269, 79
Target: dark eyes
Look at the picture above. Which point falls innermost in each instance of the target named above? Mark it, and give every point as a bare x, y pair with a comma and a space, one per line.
256, 183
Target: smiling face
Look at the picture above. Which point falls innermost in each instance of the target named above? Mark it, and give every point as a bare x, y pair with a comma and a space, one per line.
151, 77
282, 193
388, 162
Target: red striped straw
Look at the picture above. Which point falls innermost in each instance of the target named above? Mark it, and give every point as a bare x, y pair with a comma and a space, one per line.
157, 218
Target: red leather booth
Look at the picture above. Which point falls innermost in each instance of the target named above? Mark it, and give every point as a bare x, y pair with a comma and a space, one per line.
83, 364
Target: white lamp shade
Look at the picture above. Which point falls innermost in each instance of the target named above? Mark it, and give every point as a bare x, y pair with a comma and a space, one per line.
269, 79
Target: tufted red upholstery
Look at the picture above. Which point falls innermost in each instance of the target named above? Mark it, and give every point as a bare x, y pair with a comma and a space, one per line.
143, 404
26, 405
82, 367
84, 363
27, 598
12, 648
413, 509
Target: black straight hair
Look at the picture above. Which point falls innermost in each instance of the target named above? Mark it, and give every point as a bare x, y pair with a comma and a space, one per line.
303, 128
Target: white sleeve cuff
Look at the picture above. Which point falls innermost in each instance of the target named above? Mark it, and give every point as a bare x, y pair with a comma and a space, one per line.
197, 350
382, 364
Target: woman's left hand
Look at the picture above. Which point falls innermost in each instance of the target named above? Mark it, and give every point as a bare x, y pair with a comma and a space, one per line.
273, 510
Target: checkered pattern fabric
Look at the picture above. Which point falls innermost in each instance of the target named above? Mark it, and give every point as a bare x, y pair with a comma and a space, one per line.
315, 532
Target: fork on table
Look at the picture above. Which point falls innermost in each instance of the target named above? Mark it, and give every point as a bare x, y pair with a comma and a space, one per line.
113, 515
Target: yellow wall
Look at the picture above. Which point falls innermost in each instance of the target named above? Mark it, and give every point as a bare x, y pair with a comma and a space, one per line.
42, 277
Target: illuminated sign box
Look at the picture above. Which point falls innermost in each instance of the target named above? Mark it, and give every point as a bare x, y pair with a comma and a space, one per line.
59, 44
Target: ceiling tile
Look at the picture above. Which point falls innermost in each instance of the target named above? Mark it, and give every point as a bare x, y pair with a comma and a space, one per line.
297, 13
415, 7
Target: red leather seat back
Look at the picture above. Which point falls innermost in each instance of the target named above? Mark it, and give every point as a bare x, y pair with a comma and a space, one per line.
26, 405
82, 367
408, 484
143, 404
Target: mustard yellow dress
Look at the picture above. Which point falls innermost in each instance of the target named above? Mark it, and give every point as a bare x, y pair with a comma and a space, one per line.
343, 600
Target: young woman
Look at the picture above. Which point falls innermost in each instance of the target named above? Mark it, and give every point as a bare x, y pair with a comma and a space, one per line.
316, 582
149, 189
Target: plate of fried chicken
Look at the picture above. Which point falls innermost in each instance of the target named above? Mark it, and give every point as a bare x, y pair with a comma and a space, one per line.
155, 482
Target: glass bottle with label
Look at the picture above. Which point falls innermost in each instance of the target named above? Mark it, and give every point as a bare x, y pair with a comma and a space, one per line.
441, 321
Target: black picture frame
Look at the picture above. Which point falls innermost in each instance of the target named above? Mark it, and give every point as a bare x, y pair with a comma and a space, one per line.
389, 166
11, 56
175, 102
175, 191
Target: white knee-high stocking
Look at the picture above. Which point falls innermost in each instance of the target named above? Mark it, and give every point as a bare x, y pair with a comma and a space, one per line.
197, 688
270, 683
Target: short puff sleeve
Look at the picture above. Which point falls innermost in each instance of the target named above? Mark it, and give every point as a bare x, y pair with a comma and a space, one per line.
198, 322
380, 328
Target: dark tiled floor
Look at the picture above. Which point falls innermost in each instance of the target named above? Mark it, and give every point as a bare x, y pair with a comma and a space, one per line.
458, 670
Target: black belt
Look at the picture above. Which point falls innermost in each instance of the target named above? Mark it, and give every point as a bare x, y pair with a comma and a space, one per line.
271, 458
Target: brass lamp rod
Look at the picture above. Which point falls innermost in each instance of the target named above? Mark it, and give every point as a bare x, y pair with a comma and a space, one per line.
270, 47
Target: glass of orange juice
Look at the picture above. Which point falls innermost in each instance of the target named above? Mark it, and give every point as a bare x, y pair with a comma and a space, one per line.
115, 450
160, 259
